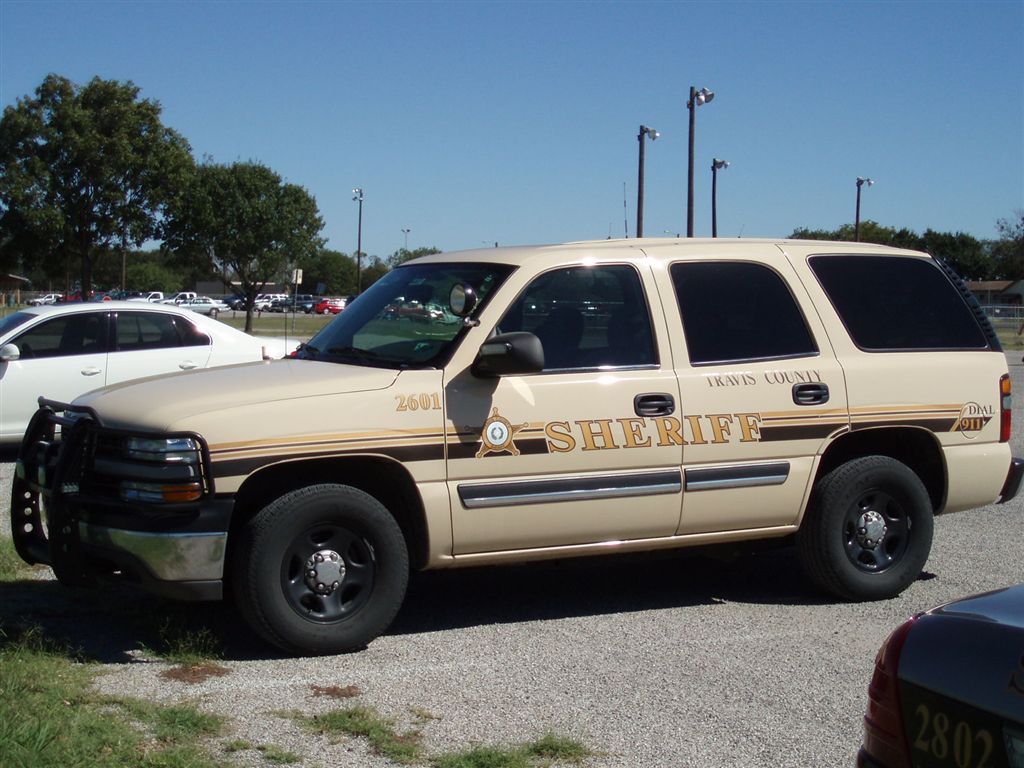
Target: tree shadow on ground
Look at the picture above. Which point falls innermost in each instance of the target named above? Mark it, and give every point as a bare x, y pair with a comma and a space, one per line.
118, 623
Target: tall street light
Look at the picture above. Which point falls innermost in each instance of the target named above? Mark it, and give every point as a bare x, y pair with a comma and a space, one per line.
406, 233
358, 195
716, 166
703, 96
856, 221
644, 133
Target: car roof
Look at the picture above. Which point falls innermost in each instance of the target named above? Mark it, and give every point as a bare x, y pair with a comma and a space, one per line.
659, 248
91, 306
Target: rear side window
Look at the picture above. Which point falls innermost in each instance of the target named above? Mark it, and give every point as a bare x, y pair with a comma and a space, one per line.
152, 330
890, 303
738, 311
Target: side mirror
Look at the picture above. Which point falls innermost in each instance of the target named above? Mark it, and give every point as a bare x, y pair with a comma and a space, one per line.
9, 352
462, 299
509, 354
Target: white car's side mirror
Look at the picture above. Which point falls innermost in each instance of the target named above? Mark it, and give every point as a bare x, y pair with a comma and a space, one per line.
9, 352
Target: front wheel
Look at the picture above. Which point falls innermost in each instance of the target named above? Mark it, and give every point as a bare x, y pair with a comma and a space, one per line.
868, 530
322, 569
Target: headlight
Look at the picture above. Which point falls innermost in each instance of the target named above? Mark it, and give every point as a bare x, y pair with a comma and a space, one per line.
170, 449
169, 470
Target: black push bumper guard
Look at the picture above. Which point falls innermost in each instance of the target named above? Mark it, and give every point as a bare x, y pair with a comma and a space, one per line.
48, 477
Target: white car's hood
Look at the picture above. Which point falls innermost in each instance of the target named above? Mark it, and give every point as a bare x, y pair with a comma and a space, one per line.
166, 402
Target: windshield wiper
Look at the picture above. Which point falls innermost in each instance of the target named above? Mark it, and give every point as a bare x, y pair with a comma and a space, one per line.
362, 354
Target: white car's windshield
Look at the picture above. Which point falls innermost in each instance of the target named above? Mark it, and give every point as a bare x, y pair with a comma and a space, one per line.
403, 320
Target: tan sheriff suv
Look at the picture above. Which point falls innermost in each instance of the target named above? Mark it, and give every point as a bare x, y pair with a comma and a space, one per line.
511, 404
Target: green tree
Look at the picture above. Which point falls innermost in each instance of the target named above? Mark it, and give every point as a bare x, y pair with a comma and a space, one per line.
85, 170
1008, 250
373, 270
968, 255
403, 255
333, 270
244, 220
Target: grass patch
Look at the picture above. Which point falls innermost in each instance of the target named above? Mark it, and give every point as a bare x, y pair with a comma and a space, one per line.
182, 644
50, 716
237, 745
544, 751
278, 756
12, 567
367, 723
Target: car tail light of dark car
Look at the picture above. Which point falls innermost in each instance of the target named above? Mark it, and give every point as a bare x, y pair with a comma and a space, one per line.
884, 742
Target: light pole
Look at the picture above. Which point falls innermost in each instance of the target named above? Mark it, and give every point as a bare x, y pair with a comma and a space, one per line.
716, 166
856, 220
406, 233
644, 133
703, 96
358, 195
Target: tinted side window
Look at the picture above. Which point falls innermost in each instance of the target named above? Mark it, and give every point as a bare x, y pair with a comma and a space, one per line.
893, 302
77, 334
586, 317
736, 311
156, 330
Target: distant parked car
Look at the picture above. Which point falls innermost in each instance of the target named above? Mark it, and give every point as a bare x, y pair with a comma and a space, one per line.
61, 351
204, 305
179, 297
264, 300
150, 296
330, 306
948, 688
50, 298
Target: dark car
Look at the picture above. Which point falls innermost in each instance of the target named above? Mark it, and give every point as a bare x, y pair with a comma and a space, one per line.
280, 305
948, 688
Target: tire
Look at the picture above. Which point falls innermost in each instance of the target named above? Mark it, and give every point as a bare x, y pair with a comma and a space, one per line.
273, 570
868, 530
214, 313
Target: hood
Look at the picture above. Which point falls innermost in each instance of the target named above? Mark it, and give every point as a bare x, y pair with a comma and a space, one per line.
159, 402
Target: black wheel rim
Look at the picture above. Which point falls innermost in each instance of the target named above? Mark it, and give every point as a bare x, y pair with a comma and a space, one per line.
876, 531
354, 587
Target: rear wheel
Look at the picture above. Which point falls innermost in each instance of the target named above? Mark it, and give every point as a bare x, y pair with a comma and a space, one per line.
214, 313
868, 531
322, 569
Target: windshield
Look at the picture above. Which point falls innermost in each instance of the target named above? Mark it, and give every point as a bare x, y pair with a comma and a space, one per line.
403, 320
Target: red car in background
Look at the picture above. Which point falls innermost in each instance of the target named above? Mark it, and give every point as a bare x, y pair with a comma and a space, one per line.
330, 306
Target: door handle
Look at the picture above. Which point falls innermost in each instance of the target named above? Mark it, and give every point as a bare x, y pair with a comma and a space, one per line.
188, 365
654, 404
91, 371
810, 394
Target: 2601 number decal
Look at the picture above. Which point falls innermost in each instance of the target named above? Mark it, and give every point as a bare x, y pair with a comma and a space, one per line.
952, 743
424, 401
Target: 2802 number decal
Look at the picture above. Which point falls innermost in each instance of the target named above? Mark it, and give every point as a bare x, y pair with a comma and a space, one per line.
424, 401
952, 743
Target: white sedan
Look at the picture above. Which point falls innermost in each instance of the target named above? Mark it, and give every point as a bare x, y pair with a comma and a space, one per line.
204, 305
61, 351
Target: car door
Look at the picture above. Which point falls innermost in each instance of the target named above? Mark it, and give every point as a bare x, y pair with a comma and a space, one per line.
573, 455
60, 358
148, 343
762, 391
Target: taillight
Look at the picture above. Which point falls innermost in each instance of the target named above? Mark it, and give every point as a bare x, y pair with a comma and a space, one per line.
1005, 412
883, 723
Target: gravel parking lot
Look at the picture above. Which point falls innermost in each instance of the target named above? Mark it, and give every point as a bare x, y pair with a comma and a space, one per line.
678, 659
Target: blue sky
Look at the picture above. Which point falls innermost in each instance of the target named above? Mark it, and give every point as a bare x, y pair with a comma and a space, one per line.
470, 123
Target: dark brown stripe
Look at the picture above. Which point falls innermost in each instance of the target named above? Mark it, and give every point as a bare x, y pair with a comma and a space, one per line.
468, 450
235, 467
935, 425
810, 432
